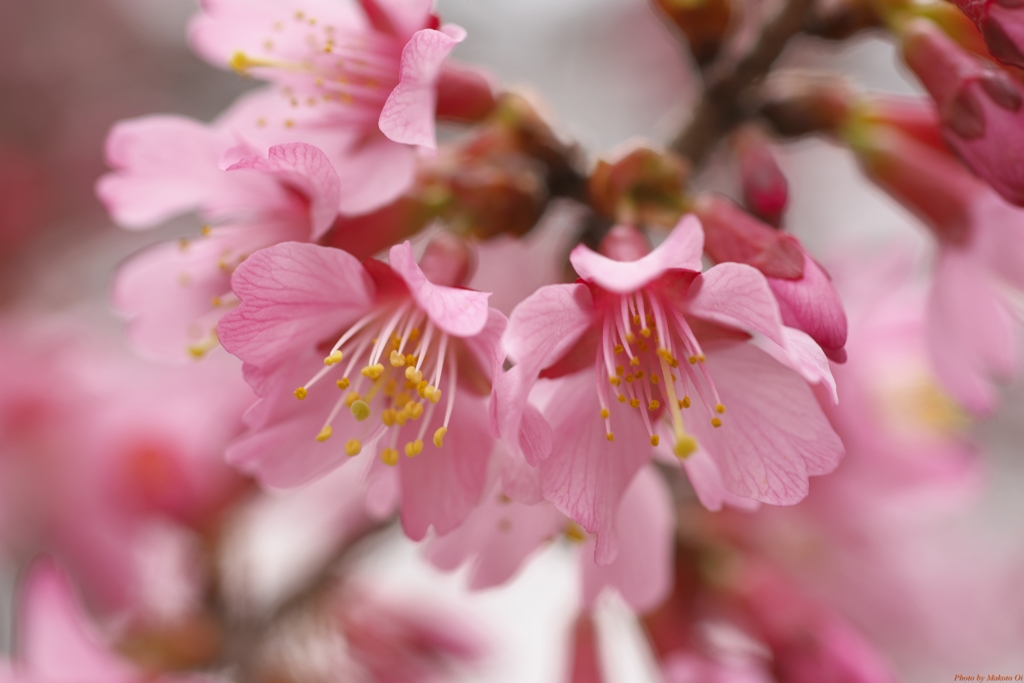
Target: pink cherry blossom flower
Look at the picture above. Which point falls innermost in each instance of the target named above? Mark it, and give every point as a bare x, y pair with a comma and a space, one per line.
412, 356
972, 329
981, 107
370, 73
56, 641
176, 292
1002, 26
650, 348
500, 534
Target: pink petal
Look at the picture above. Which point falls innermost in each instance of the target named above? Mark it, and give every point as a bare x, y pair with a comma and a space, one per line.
408, 115
586, 475
308, 170
642, 572
459, 312
442, 486
54, 637
374, 173
293, 296
681, 250
400, 18
496, 539
163, 166
812, 304
738, 296
774, 434
802, 354
706, 479
971, 333
485, 347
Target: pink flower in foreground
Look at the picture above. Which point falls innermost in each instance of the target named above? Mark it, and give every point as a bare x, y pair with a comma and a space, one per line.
55, 641
500, 534
647, 347
176, 292
412, 356
981, 107
972, 330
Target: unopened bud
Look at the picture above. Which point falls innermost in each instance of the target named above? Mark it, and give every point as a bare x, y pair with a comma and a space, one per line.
640, 186
464, 94
733, 235
765, 190
447, 261
801, 102
1001, 24
705, 23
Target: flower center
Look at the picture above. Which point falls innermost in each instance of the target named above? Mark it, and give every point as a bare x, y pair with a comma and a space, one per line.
395, 361
640, 342
326, 64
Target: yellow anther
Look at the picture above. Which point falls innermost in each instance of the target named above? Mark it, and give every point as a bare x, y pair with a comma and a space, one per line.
432, 394
439, 436
605, 413
414, 448
674, 363
334, 358
241, 62
324, 434
410, 359
634, 403
202, 347
610, 436
684, 402
413, 375
352, 447
653, 405
685, 446
360, 410
301, 393
636, 319
645, 332
351, 398
373, 371
343, 383
397, 359
615, 381
639, 374
183, 244
630, 337
655, 440
622, 399
206, 231
421, 387
715, 422
630, 377
635, 360
389, 416
692, 359
216, 302
719, 409
390, 387
389, 456
701, 357
619, 348
414, 334
574, 532
401, 417
414, 409
654, 378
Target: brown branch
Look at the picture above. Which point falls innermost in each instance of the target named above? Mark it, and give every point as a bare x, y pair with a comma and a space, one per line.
718, 111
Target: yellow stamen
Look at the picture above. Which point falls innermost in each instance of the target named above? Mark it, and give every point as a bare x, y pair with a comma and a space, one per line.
352, 447
301, 393
373, 371
351, 398
635, 360
615, 381
622, 399
360, 410
334, 358
397, 359
605, 413
439, 436
610, 436
619, 370
645, 332
343, 383
389, 456
634, 403
389, 416
414, 448
413, 375
719, 409
324, 434
685, 402
685, 446
653, 405
206, 230
414, 409
619, 348
655, 440
715, 422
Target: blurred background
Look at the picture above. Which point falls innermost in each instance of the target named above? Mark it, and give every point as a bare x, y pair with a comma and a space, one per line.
610, 71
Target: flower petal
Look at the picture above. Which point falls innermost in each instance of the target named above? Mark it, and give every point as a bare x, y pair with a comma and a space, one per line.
774, 434
293, 296
736, 295
681, 250
459, 312
409, 113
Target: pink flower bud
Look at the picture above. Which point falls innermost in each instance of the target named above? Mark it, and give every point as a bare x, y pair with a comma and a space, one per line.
979, 106
464, 94
1001, 23
765, 190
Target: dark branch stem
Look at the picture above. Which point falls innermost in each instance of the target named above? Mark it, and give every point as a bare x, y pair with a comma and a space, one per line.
718, 111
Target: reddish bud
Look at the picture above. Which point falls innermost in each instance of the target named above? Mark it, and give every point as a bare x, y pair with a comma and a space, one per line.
765, 190
1001, 25
641, 186
980, 107
447, 260
705, 23
800, 103
363, 236
464, 94
915, 117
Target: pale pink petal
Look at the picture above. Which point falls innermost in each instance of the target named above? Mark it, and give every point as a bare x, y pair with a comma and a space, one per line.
971, 333
774, 434
586, 474
642, 572
54, 639
738, 296
681, 250
441, 486
293, 296
409, 113
812, 304
308, 170
485, 347
459, 312
802, 354
374, 173
704, 477
400, 18
163, 166
496, 539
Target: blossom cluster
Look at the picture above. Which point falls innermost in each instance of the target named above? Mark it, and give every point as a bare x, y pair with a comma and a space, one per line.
410, 297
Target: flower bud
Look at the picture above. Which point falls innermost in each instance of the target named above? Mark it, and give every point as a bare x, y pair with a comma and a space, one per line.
448, 260
800, 103
641, 186
464, 94
807, 300
765, 190
915, 117
363, 236
980, 107
705, 23
1001, 23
